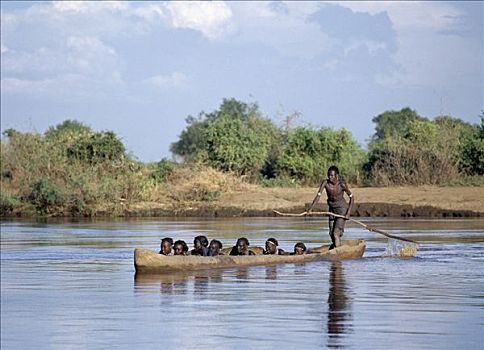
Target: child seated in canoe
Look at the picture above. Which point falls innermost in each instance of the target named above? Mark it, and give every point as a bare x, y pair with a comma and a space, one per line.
201, 246
241, 247
180, 248
215, 248
166, 245
271, 248
300, 249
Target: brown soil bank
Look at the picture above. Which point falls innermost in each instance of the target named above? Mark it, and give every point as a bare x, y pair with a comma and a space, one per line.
425, 201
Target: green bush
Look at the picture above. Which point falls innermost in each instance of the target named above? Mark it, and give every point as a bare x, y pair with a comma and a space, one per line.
472, 150
235, 138
394, 123
46, 196
418, 151
77, 205
81, 143
7, 204
96, 148
68, 126
307, 153
162, 170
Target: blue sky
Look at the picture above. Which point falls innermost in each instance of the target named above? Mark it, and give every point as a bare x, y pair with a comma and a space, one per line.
140, 68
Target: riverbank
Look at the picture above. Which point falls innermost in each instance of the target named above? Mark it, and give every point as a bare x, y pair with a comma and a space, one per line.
251, 201
424, 201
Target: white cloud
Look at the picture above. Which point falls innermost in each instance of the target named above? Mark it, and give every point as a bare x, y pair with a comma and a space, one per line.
90, 45
67, 86
210, 18
86, 55
78, 37
410, 15
89, 6
151, 12
286, 31
52, 87
426, 56
90, 56
174, 80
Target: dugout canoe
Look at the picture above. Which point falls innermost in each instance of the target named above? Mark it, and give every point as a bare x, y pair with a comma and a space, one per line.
148, 261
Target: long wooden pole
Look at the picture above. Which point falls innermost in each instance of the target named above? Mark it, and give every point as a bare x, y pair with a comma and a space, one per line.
369, 228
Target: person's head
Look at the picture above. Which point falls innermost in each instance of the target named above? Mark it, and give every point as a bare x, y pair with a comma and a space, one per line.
299, 248
215, 247
271, 246
242, 245
200, 241
333, 174
166, 244
180, 248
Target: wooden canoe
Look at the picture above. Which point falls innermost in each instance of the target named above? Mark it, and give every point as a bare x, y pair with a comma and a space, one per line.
147, 261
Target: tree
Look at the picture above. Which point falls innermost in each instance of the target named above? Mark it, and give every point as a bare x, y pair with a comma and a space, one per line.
307, 153
472, 153
80, 142
67, 126
415, 150
392, 123
236, 137
191, 145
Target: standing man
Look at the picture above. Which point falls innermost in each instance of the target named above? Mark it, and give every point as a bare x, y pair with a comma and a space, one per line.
335, 189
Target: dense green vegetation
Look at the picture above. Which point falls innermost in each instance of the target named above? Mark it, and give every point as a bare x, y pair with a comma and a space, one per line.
234, 138
72, 169
238, 138
405, 149
69, 169
409, 149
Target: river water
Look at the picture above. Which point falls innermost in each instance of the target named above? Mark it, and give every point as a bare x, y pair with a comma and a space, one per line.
71, 285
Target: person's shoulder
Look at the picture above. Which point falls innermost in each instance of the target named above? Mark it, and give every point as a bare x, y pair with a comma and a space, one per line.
251, 252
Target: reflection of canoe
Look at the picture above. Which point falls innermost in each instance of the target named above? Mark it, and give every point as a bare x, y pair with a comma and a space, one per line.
147, 261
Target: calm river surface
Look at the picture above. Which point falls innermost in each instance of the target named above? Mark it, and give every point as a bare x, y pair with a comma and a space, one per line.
71, 285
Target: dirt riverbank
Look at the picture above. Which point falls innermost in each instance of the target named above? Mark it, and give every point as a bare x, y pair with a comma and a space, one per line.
425, 201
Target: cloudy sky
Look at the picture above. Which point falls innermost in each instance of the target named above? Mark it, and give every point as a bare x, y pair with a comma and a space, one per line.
140, 68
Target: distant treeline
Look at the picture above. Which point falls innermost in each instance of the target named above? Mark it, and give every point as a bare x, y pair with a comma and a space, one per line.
72, 169
405, 149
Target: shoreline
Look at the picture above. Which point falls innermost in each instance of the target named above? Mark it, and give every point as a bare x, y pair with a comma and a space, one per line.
255, 201
359, 210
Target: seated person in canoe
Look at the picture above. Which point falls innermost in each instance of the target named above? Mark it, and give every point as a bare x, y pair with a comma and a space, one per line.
166, 246
241, 247
201, 246
180, 248
271, 248
215, 248
299, 249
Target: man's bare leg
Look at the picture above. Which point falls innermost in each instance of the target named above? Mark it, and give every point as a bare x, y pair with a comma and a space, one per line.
337, 237
331, 234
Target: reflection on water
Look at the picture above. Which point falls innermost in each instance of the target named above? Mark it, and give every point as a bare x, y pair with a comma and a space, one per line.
178, 283
70, 285
242, 274
339, 306
271, 272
